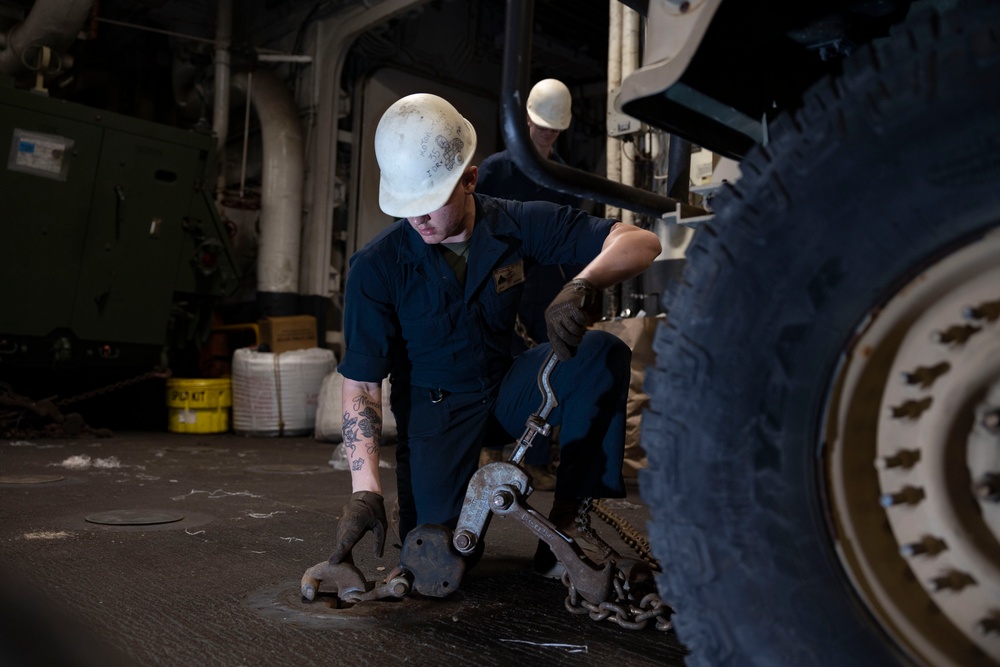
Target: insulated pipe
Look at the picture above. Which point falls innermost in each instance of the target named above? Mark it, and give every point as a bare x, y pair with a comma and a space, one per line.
516, 74
51, 23
223, 38
281, 194
614, 144
630, 61
612, 295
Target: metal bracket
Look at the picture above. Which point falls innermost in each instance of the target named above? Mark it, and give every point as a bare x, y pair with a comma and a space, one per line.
592, 582
473, 520
437, 568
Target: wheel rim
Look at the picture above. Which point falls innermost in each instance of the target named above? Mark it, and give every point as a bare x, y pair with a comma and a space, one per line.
918, 394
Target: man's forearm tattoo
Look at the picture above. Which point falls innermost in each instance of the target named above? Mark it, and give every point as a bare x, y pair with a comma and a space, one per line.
365, 423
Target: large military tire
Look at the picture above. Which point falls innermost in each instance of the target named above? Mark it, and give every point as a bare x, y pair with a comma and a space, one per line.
854, 251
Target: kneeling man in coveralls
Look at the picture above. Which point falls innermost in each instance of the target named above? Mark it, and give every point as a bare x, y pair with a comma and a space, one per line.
431, 302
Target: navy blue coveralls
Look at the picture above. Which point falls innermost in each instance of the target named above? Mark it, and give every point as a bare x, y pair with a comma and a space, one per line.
500, 177
455, 386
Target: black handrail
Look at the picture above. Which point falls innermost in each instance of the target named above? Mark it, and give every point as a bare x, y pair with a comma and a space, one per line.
551, 174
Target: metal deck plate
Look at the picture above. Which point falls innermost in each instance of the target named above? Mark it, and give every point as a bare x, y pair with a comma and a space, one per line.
134, 517
30, 479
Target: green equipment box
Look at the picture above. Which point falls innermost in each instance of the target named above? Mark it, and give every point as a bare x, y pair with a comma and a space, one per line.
111, 244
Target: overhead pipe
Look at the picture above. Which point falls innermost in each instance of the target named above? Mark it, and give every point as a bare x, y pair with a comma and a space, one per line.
614, 144
281, 191
563, 178
51, 23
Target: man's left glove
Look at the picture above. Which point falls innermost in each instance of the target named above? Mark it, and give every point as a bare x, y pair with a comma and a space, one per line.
569, 315
363, 512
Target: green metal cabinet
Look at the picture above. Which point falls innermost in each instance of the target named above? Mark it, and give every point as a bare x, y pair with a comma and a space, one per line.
109, 240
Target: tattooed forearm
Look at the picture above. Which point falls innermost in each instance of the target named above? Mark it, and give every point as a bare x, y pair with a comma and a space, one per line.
351, 439
369, 421
362, 424
361, 405
350, 433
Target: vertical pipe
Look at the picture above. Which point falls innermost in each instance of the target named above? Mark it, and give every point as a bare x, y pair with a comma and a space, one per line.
613, 150
612, 296
246, 133
220, 112
278, 259
679, 168
630, 62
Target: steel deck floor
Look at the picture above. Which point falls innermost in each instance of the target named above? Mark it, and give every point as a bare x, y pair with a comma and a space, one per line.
218, 583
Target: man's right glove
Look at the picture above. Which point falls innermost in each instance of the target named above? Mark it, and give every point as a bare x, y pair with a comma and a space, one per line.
363, 512
569, 315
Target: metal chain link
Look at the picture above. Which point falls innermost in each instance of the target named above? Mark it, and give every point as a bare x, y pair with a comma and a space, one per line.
634, 603
115, 386
522, 331
629, 533
632, 609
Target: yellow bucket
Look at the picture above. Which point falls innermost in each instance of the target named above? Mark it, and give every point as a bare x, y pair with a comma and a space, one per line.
199, 406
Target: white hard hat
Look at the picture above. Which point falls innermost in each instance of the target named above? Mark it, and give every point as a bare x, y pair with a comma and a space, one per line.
423, 146
550, 104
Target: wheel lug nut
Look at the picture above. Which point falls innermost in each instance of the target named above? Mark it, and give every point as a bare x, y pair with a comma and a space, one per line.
908, 495
927, 545
988, 311
958, 334
989, 625
988, 487
910, 409
991, 420
904, 458
953, 580
926, 375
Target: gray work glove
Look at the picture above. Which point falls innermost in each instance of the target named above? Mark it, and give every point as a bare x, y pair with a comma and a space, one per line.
363, 512
569, 315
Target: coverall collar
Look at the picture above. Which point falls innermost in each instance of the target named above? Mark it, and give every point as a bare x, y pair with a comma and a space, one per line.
492, 237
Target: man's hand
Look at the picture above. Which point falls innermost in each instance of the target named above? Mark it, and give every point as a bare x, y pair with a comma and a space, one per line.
363, 512
568, 316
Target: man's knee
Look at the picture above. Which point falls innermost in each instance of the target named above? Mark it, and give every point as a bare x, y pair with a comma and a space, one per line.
599, 370
606, 348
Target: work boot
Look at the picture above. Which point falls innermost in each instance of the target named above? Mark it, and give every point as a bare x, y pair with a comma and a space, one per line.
572, 518
490, 455
542, 478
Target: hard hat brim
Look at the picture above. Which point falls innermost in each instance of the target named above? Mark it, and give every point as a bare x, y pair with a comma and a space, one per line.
413, 207
541, 122
414, 204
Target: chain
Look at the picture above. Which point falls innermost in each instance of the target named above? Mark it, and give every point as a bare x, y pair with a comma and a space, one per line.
635, 604
121, 384
629, 534
635, 600
522, 331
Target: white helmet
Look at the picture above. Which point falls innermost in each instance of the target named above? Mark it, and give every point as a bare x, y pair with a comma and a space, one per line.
550, 104
423, 146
